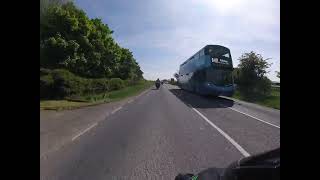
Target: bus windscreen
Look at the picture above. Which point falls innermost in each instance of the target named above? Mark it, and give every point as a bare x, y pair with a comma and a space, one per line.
219, 77
220, 57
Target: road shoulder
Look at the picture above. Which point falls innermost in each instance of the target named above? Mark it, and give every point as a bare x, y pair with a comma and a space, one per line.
59, 127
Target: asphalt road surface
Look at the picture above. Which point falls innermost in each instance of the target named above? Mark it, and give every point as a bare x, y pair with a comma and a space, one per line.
162, 133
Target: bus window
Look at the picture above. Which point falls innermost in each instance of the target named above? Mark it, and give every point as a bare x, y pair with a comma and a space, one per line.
200, 62
226, 55
201, 53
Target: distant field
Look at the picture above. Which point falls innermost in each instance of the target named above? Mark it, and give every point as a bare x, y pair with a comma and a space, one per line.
95, 99
272, 101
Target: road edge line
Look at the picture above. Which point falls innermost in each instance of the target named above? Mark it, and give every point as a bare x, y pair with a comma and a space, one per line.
232, 141
254, 117
117, 109
84, 131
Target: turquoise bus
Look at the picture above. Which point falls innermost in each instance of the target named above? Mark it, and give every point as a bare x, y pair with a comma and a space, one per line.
208, 72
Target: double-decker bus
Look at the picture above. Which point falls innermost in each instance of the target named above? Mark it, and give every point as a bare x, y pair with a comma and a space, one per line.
208, 72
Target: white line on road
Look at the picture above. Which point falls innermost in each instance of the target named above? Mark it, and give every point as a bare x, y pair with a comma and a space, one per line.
252, 116
116, 110
242, 151
130, 101
93, 125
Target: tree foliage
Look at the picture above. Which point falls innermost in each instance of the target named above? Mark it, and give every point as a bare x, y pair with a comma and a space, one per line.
278, 74
236, 74
70, 40
60, 83
251, 75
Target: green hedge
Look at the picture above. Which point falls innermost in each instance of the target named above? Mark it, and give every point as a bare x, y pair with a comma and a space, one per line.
46, 86
60, 83
93, 86
116, 84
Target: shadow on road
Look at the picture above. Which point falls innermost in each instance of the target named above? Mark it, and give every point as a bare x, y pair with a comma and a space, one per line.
198, 101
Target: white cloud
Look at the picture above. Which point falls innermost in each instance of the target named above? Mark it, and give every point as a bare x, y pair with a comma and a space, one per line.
177, 29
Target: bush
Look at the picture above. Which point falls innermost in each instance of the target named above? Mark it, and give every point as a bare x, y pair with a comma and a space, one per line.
264, 87
97, 86
44, 71
127, 83
132, 82
60, 83
46, 85
66, 83
116, 84
250, 76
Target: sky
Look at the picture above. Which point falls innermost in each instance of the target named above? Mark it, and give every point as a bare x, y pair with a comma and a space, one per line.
164, 33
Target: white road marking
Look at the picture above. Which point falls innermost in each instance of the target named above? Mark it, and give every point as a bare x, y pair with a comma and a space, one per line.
242, 151
116, 110
252, 117
93, 125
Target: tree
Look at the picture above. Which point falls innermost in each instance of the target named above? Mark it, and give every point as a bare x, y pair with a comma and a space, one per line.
176, 75
278, 74
70, 40
252, 70
236, 74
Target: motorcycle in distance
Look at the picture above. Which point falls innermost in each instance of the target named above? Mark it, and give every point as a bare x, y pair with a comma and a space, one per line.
264, 166
157, 83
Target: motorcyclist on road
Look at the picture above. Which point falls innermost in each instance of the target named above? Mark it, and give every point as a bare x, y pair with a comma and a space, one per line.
157, 83
158, 80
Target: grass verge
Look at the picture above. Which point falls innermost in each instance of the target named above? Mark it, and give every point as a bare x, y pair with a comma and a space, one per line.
95, 99
272, 101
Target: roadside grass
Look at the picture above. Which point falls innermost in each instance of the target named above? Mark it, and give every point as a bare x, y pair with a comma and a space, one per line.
61, 104
273, 100
89, 100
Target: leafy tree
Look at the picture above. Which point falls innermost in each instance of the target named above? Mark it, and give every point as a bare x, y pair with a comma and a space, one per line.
252, 70
176, 75
236, 74
70, 40
278, 74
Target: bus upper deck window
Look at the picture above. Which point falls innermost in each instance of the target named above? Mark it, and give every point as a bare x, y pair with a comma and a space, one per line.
226, 55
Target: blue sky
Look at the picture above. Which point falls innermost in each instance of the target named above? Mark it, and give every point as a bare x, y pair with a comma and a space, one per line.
164, 33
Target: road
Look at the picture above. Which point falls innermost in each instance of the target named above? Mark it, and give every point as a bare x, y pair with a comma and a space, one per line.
161, 133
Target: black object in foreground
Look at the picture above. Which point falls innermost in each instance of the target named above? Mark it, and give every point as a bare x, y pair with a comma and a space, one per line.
264, 166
